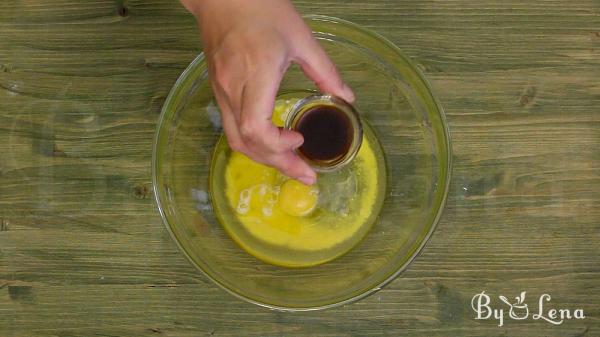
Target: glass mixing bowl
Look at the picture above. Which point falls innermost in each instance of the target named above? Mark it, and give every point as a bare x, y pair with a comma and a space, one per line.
393, 98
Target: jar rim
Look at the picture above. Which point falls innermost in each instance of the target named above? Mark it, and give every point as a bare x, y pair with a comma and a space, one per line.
307, 104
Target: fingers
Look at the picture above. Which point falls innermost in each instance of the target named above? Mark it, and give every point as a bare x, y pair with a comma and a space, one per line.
256, 126
251, 131
318, 67
293, 166
231, 131
273, 145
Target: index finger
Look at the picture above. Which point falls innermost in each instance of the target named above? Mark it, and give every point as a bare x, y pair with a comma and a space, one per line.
317, 66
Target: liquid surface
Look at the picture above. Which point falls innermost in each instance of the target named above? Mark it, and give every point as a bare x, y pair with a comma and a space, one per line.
327, 133
286, 223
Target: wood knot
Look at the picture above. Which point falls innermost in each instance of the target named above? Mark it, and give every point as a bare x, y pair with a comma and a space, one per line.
20, 293
141, 191
3, 225
528, 96
57, 152
122, 11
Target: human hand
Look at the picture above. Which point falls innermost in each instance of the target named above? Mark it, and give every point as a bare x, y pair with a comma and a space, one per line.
249, 45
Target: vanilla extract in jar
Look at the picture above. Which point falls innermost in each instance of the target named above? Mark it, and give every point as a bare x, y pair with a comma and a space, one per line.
331, 128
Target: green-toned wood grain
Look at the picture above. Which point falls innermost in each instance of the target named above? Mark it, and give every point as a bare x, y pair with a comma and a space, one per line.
82, 248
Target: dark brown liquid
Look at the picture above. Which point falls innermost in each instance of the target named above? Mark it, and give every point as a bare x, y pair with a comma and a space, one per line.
327, 133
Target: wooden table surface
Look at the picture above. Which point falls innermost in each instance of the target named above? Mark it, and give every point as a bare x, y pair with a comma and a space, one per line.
83, 251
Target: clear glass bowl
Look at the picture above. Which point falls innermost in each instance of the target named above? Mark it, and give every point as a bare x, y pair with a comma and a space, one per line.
393, 98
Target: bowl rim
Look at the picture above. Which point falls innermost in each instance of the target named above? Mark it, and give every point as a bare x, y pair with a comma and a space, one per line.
416, 252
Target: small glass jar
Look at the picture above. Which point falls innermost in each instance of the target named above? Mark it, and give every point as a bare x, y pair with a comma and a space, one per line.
331, 128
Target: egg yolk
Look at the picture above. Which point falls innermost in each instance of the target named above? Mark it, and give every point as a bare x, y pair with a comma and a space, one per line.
297, 199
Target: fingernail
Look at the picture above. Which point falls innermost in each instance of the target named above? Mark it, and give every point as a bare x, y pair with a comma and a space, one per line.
307, 180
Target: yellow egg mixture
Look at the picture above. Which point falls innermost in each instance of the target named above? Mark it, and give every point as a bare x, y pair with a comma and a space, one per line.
292, 224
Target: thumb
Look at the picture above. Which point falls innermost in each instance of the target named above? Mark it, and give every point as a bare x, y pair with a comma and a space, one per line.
317, 66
